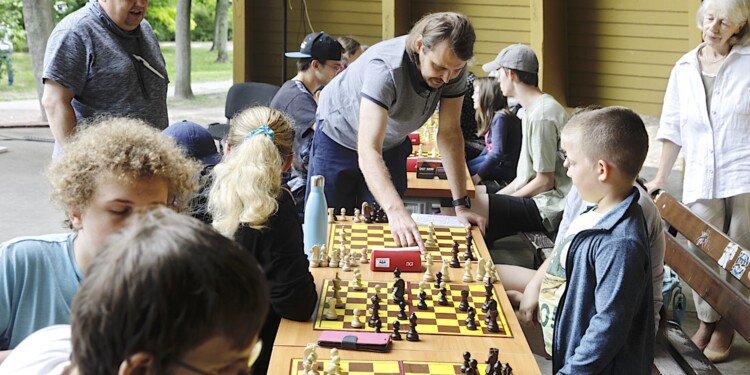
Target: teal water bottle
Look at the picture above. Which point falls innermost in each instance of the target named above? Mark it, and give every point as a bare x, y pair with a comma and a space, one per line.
316, 215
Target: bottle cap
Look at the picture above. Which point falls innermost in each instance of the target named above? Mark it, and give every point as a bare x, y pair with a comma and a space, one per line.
317, 180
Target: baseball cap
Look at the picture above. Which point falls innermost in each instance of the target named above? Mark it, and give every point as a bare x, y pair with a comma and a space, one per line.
195, 140
515, 56
318, 46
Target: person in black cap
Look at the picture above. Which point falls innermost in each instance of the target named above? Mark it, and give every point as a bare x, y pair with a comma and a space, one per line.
319, 61
197, 143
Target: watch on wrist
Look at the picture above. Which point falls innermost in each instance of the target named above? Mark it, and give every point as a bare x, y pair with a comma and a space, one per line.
462, 202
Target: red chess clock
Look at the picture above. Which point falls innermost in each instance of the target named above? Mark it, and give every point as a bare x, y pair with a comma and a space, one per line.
407, 259
414, 138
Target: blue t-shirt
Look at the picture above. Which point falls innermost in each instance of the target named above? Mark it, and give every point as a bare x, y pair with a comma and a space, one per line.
38, 279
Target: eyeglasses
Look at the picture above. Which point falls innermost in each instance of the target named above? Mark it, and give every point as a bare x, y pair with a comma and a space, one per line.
239, 371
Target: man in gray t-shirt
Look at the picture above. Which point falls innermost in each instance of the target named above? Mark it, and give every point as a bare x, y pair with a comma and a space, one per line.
366, 112
103, 59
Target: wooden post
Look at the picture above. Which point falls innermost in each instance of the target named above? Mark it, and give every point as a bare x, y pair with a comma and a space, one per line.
395, 18
548, 40
694, 37
242, 48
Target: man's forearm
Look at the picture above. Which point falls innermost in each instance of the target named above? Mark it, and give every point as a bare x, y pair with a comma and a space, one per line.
539, 184
62, 122
452, 152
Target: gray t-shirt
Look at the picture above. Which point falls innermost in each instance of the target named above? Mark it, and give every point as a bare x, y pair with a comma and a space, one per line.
541, 128
385, 75
89, 55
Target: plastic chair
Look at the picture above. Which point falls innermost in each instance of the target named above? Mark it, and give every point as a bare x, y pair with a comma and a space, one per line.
239, 97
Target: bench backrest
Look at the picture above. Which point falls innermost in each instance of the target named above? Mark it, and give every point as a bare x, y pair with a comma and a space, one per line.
728, 299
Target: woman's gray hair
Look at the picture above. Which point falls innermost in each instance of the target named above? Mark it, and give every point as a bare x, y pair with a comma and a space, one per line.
734, 11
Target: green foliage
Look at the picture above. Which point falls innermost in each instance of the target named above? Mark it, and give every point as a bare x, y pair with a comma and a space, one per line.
12, 23
161, 15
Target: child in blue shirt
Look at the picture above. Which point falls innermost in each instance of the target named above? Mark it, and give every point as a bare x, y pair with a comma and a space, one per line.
600, 274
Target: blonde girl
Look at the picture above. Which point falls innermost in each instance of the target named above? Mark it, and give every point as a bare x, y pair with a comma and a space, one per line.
248, 203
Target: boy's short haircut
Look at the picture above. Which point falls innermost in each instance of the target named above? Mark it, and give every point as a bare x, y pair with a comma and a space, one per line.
164, 285
614, 134
531, 79
125, 147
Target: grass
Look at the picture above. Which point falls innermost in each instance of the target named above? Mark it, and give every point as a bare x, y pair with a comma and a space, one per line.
203, 69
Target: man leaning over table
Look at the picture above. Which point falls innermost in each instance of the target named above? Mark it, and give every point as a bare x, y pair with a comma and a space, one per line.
367, 111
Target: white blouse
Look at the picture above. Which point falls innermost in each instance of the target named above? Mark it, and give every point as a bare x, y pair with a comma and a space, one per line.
715, 142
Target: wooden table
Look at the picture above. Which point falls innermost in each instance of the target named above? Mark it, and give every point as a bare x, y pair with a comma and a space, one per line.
293, 336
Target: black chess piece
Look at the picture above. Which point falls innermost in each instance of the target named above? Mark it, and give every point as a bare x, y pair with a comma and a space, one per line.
490, 306
492, 325
396, 335
402, 311
443, 297
467, 362
378, 326
422, 305
375, 311
438, 279
455, 263
473, 368
497, 368
397, 273
412, 334
471, 323
464, 304
399, 288
507, 370
487, 296
491, 360
469, 254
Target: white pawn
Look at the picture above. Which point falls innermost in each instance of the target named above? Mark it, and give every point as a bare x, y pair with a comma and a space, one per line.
331, 216
480, 269
343, 213
446, 271
323, 256
489, 270
357, 281
334, 367
352, 259
346, 264
430, 242
334, 261
342, 236
311, 355
331, 313
468, 278
363, 256
356, 218
315, 259
356, 319
428, 275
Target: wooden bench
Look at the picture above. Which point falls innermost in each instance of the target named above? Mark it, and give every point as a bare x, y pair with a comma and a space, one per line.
674, 349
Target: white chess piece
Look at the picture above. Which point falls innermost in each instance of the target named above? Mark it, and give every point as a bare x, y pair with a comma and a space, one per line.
356, 218
343, 213
489, 270
446, 271
334, 261
430, 242
323, 256
363, 256
468, 278
428, 275
331, 216
331, 313
346, 264
356, 319
315, 256
480, 269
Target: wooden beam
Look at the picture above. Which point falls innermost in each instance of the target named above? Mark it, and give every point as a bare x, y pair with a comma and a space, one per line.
395, 18
241, 49
548, 40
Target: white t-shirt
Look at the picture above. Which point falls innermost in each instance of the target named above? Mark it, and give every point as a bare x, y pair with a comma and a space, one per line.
45, 352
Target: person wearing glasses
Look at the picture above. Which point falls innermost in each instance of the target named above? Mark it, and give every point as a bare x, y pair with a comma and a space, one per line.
318, 61
103, 59
166, 295
706, 114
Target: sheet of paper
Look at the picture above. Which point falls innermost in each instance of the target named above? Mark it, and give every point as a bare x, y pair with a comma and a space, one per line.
437, 220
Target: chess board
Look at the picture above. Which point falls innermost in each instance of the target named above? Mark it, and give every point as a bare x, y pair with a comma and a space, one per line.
392, 367
371, 236
435, 320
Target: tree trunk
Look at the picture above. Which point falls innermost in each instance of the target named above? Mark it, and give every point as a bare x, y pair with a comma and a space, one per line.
39, 21
216, 27
222, 26
182, 89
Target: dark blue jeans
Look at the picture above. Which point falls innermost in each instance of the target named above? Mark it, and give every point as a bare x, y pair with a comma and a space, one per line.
345, 185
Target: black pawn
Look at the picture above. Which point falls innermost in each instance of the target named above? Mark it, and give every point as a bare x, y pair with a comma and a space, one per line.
396, 335
412, 334
402, 311
467, 362
378, 326
471, 323
455, 263
442, 299
474, 368
464, 305
438, 279
492, 325
422, 305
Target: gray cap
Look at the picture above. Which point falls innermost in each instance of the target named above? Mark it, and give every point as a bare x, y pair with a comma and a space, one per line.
515, 56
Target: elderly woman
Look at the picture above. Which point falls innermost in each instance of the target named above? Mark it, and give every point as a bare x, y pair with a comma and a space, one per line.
707, 114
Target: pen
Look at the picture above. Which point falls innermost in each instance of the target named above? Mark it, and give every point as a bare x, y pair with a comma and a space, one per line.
147, 65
